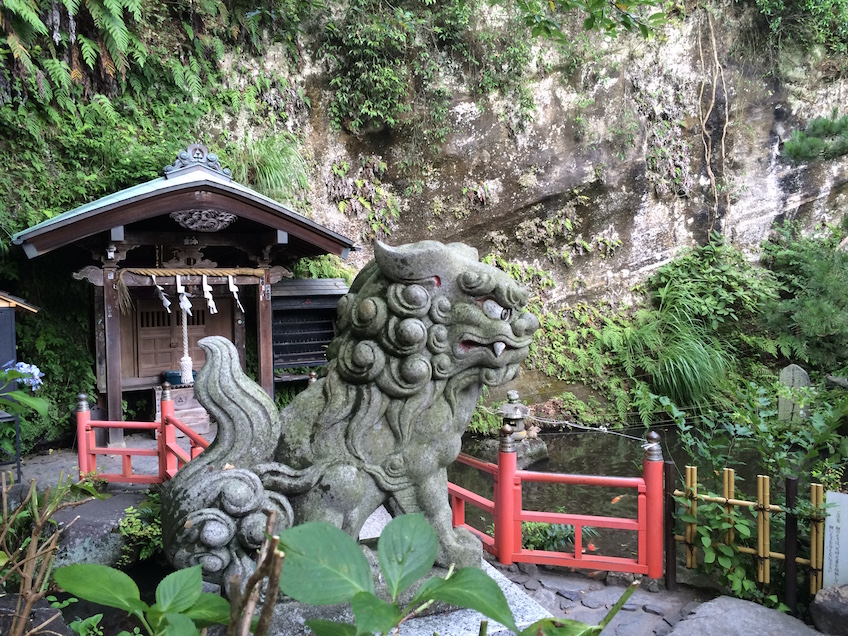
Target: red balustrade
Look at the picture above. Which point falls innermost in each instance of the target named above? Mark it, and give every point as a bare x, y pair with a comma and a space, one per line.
506, 507
171, 456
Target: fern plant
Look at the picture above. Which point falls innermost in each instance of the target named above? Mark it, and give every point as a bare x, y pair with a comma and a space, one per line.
811, 314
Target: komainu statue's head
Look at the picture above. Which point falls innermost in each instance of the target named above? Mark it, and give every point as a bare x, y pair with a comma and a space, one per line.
429, 312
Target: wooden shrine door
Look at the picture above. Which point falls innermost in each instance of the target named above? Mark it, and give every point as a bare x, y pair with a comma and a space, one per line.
158, 335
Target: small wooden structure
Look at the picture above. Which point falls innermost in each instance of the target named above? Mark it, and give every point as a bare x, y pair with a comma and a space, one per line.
304, 322
8, 357
194, 229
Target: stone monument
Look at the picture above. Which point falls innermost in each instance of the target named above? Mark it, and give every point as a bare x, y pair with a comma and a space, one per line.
789, 409
424, 327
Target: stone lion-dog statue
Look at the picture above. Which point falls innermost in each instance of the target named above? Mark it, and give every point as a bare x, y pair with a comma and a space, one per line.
423, 329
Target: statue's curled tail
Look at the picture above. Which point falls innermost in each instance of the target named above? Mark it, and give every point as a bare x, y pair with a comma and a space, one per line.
213, 510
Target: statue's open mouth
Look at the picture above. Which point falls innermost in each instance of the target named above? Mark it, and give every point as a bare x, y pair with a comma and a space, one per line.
497, 347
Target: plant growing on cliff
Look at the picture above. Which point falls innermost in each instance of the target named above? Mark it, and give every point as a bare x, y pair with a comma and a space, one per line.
805, 22
823, 138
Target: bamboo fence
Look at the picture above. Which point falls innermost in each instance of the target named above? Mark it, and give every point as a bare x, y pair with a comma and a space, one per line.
765, 509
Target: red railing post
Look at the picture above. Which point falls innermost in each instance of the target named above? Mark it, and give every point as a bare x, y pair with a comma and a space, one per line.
652, 471
83, 428
507, 491
167, 460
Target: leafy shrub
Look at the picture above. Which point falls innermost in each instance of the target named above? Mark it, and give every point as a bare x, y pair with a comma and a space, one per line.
811, 314
824, 138
805, 22
324, 266
554, 537
142, 530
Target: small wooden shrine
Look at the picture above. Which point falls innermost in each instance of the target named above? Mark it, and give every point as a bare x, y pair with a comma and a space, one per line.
172, 257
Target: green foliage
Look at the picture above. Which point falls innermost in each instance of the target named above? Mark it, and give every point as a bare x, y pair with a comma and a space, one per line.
181, 606
734, 570
751, 434
682, 343
824, 138
806, 22
485, 420
272, 165
58, 338
811, 314
559, 235
324, 266
29, 539
555, 537
368, 49
88, 626
142, 531
364, 197
543, 18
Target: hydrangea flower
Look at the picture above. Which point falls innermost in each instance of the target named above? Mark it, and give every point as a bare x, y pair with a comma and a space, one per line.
34, 373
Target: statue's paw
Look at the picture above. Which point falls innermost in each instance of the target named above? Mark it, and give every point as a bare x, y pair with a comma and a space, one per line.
461, 548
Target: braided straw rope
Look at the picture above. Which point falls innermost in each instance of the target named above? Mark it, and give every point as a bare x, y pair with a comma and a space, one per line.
125, 302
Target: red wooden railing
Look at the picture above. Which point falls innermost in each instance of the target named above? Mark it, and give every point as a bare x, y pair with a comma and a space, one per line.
508, 512
171, 456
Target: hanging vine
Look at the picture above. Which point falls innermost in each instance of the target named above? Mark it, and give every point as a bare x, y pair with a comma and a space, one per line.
716, 74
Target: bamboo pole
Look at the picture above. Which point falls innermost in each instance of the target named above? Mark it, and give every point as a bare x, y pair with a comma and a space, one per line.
816, 538
692, 527
767, 524
733, 502
780, 556
729, 491
763, 539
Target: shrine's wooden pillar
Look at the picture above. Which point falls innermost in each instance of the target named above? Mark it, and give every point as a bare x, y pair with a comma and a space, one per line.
265, 338
112, 324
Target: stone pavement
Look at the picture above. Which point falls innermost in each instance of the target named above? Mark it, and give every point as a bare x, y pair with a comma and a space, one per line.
650, 610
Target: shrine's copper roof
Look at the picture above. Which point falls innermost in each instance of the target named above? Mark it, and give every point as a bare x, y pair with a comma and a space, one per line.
196, 180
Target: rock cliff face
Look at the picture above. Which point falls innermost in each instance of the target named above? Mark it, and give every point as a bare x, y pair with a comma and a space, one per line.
635, 150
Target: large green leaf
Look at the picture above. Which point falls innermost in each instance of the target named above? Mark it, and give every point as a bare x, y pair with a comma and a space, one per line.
178, 625
321, 627
470, 588
407, 550
373, 615
323, 565
560, 627
101, 584
179, 590
19, 401
210, 609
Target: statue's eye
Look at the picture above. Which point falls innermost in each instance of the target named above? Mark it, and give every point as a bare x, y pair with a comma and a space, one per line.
494, 311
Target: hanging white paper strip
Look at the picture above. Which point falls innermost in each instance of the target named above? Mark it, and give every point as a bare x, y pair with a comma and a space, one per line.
166, 302
207, 294
234, 290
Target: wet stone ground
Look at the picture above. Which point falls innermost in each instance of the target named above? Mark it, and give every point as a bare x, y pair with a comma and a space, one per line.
651, 610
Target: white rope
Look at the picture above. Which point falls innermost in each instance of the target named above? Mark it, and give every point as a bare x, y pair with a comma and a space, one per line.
186, 375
